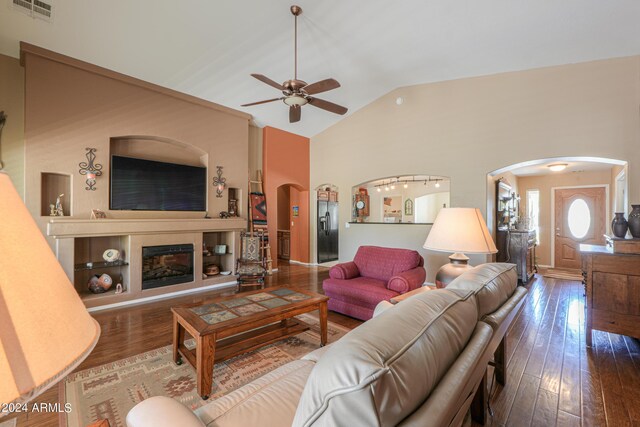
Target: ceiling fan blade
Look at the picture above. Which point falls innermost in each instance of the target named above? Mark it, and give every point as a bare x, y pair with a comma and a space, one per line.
321, 86
268, 81
294, 113
326, 105
262, 102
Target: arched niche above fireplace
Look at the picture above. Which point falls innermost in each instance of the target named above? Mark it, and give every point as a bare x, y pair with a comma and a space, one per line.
159, 149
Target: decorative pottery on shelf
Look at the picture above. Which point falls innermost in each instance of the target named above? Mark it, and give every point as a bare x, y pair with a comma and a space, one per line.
100, 284
634, 221
619, 225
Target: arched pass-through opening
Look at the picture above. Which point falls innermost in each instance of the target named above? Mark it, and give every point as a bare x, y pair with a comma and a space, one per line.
544, 198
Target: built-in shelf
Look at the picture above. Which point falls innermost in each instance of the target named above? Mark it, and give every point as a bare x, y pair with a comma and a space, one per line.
52, 186
99, 264
82, 242
89, 296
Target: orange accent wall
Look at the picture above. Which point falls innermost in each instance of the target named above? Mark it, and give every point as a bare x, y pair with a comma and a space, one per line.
285, 160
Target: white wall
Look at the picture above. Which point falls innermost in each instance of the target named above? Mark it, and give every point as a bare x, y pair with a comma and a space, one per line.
467, 128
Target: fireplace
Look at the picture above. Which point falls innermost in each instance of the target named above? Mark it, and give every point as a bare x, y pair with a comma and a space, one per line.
166, 265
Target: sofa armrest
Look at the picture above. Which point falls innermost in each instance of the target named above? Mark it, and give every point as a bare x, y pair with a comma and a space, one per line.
407, 280
162, 411
346, 270
381, 307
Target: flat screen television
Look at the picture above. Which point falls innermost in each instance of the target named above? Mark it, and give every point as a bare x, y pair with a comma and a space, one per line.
147, 185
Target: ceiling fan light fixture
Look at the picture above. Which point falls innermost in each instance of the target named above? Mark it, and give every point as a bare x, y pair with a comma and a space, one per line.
295, 100
297, 92
557, 167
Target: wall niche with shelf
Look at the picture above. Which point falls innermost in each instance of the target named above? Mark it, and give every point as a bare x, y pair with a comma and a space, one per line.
218, 249
52, 185
89, 261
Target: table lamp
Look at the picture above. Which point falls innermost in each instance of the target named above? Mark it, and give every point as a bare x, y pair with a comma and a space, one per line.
45, 330
458, 230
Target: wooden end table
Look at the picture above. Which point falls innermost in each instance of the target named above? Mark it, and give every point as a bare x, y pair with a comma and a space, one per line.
227, 326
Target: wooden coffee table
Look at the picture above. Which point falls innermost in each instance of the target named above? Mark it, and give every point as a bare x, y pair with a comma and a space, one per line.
227, 326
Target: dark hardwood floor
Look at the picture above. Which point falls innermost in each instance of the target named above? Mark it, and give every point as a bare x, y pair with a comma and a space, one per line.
552, 378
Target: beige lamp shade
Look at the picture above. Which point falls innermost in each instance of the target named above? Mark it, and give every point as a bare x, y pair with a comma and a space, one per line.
460, 230
45, 330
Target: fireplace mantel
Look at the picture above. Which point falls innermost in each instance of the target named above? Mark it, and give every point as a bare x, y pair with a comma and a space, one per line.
80, 243
61, 227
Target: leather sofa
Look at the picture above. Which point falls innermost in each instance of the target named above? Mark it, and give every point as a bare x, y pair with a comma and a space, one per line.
418, 363
375, 274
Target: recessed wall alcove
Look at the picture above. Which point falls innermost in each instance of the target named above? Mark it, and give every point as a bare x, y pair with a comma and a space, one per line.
159, 149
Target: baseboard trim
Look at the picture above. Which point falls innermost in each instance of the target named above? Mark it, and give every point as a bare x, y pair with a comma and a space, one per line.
293, 261
163, 296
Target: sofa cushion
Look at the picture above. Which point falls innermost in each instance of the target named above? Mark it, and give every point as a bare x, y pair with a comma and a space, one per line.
493, 284
270, 400
384, 369
384, 263
363, 291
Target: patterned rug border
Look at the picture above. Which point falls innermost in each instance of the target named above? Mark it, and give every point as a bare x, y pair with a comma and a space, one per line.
68, 394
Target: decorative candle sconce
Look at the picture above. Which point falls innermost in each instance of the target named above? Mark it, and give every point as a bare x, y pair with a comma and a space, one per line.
90, 169
219, 182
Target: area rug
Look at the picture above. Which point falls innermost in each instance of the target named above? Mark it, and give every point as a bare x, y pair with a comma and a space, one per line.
110, 391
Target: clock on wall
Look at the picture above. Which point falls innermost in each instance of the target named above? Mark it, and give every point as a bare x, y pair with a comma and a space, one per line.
361, 203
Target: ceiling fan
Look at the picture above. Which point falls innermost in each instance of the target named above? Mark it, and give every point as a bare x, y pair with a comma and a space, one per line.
297, 92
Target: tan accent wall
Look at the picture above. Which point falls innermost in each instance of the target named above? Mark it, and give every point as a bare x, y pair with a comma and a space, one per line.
12, 102
71, 105
545, 184
467, 128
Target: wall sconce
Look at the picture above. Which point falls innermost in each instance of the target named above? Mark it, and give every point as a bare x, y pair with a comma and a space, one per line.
90, 169
219, 182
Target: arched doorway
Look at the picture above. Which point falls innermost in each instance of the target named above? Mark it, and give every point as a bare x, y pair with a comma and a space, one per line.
292, 225
563, 202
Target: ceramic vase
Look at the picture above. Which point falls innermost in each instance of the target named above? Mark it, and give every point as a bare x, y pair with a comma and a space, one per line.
619, 225
634, 221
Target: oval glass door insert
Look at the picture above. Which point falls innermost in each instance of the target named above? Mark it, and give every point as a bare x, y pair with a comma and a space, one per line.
579, 218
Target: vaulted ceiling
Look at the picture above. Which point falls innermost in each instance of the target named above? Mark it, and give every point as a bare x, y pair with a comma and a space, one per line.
208, 48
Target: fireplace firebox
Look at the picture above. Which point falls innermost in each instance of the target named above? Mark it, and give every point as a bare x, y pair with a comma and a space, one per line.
166, 265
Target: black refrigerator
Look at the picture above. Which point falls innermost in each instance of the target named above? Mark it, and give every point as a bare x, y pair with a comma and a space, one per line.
327, 227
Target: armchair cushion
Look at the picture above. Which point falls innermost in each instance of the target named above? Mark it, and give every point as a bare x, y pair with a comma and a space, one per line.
360, 291
344, 271
407, 280
384, 263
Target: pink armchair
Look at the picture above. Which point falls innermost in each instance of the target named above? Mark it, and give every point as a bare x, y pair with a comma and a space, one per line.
374, 275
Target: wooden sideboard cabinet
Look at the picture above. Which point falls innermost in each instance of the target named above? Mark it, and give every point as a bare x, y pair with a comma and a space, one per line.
284, 244
612, 291
518, 247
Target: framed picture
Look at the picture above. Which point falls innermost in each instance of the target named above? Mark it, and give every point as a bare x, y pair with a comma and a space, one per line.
97, 214
408, 207
296, 210
220, 249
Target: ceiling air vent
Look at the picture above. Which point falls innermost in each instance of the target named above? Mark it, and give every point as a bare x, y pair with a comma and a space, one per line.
35, 8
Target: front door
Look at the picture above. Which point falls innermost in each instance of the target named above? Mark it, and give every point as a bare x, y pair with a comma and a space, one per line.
580, 217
